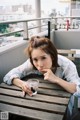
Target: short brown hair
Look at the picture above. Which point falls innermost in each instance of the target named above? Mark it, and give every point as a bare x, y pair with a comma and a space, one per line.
46, 45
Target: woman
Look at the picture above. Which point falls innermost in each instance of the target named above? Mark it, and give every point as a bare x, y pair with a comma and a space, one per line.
55, 68
44, 58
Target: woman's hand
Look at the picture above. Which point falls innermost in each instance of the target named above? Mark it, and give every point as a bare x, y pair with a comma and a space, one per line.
23, 85
26, 89
50, 76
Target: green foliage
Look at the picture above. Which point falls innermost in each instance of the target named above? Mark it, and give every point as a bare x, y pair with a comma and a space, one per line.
3, 28
17, 34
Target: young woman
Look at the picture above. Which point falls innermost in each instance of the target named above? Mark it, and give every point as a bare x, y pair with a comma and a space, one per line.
43, 57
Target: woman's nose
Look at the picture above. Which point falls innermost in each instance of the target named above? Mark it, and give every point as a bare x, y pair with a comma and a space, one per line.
40, 63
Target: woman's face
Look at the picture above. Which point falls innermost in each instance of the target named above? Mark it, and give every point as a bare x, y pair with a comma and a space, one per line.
41, 60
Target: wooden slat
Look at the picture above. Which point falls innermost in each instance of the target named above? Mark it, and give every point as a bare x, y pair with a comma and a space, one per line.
50, 86
68, 53
36, 114
54, 92
33, 104
41, 91
54, 89
48, 104
38, 97
41, 85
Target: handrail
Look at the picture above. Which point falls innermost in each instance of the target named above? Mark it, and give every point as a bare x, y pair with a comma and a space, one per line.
66, 17
35, 19
7, 34
25, 26
26, 21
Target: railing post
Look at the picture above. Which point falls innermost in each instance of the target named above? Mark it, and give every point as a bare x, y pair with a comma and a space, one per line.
51, 26
38, 14
25, 34
49, 29
55, 24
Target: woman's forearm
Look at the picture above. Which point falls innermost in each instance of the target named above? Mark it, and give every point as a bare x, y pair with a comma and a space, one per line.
25, 88
70, 87
18, 82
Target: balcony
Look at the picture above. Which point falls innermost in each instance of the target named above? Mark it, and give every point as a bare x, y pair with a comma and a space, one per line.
12, 54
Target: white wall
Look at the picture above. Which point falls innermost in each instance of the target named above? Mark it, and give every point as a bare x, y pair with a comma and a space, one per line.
11, 56
67, 39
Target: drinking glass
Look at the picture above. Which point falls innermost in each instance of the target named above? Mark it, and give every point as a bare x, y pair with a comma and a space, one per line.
33, 84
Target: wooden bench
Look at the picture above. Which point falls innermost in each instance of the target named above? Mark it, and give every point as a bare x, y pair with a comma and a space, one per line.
68, 53
50, 103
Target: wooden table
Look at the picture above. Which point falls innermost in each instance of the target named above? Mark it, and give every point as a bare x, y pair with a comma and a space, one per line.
49, 104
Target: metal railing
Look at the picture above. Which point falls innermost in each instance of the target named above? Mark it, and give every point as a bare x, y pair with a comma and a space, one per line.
74, 22
54, 24
26, 27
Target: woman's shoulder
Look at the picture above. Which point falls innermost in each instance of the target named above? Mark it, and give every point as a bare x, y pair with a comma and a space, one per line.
63, 58
64, 61
27, 64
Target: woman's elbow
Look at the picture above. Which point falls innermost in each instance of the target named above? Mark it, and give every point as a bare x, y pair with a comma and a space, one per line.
7, 80
74, 89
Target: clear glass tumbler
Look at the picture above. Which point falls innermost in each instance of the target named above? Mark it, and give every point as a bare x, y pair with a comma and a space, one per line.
33, 84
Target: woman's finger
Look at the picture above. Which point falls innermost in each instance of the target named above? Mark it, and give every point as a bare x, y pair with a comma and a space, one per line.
23, 93
28, 90
29, 93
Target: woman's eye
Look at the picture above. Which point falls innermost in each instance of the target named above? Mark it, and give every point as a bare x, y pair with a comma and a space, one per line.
43, 58
35, 60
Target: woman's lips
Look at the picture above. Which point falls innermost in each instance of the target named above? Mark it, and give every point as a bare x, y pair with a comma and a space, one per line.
42, 71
